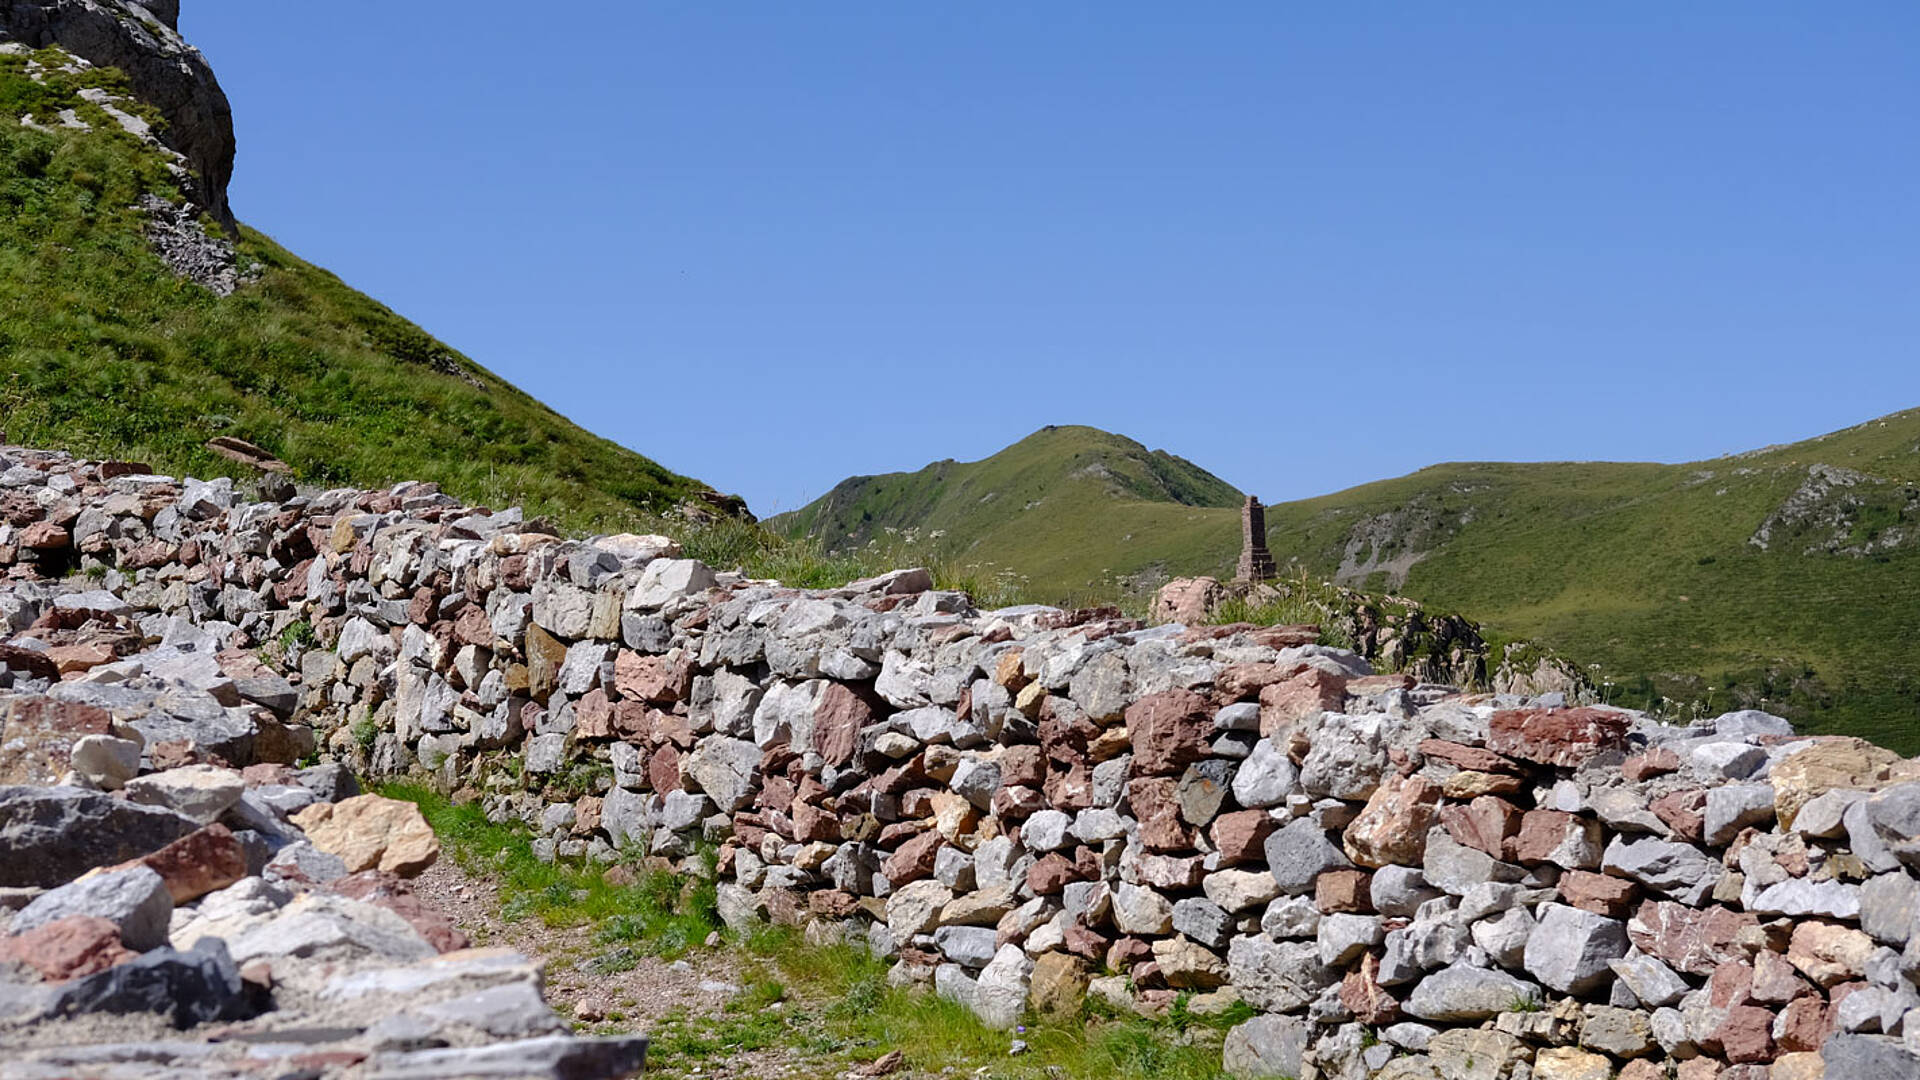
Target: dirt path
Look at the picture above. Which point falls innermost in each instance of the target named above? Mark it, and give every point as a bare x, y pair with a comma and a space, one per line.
666, 999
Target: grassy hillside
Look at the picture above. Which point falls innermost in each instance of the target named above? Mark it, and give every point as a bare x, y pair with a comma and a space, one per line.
1657, 573
105, 352
1070, 510
1652, 575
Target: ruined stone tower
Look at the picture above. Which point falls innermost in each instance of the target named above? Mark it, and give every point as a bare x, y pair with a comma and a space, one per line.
1256, 563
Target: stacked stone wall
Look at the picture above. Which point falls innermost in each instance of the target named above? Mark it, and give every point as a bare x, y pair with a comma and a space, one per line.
1026, 806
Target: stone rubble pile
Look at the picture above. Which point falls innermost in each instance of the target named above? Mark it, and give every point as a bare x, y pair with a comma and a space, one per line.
177, 899
1028, 806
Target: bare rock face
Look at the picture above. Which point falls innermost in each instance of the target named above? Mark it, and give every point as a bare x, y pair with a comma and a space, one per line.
143, 40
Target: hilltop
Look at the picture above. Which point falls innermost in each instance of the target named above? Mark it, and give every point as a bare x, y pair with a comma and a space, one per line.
1787, 577
1070, 509
133, 324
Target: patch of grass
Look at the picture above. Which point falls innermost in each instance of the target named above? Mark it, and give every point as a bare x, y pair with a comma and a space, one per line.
830, 1005
834, 1003
298, 635
660, 914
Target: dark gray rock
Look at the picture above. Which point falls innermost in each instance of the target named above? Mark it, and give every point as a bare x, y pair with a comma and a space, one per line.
558, 1056
53, 835
164, 71
1876, 1056
188, 988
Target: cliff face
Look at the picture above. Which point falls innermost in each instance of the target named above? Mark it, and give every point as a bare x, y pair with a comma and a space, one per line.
143, 40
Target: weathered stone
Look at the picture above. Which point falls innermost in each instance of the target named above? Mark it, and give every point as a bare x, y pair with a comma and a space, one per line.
1652, 982
1057, 988
1169, 731
1276, 976
1571, 1063
1833, 764
1000, 994
1681, 871
1551, 836
1392, 828
727, 769
199, 792
370, 832
1571, 949
1733, 807
1299, 853
1461, 993
1188, 966
134, 899
1829, 954
1567, 738
67, 948
1266, 1047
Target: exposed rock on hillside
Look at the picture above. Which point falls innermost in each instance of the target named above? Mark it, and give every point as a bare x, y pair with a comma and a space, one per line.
143, 40
1843, 512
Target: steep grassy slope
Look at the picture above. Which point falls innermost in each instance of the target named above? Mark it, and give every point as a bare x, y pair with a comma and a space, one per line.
1654, 575
106, 352
1070, 509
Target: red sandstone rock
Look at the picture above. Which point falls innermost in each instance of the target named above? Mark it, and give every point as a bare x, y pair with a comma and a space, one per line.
1362, 993
651, 678
1804, 1024
1730, 984
1020, 765
1392, 828
1239, 836
837, 721
198, 863
1746, 1035
1169, 730
396, 894
45, 536
1310, 692
1470, 758
1343, 891
1684, 812
1243, 682
593, 715
1368, 685
1049, 875
1551, 836
1598, 893
1691, 940
1567, 738
37, 736
67, 948
1656, 762
1157, 808
663, 769
1484, 824
914, 859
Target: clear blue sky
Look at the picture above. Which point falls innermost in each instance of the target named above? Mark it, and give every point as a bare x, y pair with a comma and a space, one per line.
772, 245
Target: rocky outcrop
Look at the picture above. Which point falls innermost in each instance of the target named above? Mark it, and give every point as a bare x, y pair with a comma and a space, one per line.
143, 40
1400, 878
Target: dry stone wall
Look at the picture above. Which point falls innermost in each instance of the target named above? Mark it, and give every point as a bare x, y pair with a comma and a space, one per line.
1027, 806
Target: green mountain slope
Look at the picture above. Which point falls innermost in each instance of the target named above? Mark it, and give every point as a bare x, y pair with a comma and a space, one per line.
1069, 508
1786, 578
103, 350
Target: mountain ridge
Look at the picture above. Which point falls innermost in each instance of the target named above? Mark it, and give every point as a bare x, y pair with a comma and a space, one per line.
1789, 574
